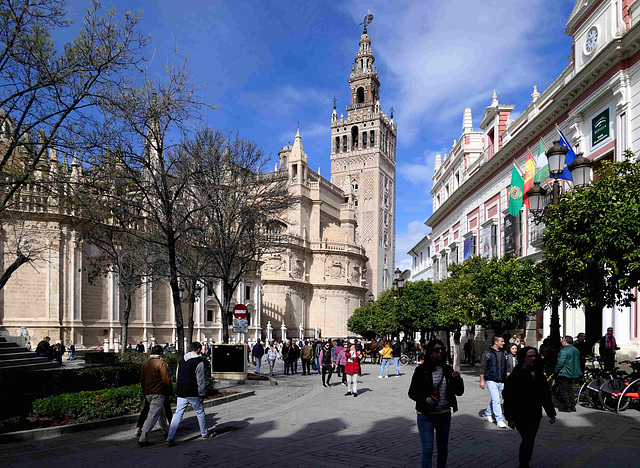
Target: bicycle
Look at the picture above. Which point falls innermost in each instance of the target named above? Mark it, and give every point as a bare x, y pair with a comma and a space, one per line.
630, 395
410, 358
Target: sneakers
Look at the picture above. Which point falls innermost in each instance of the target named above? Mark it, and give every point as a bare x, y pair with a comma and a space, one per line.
379, 376
146, 443
386, 376
344, 384
324, 385
488, 419
355, 394
502, 424
138, 432
347, 394
170, 443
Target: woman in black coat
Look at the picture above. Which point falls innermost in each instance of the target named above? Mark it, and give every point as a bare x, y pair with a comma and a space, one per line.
434, 387
525, 394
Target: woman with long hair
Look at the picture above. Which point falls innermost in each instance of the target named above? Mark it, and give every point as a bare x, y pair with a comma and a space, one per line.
512, 360
526, 392
434, 388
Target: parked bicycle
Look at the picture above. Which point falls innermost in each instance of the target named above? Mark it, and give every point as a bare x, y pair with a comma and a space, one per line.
613, 390
411, 358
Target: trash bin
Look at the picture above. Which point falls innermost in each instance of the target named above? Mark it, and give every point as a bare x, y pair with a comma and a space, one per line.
229, 361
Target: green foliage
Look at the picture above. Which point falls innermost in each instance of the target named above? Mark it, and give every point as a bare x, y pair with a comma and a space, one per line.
385, 320
593, 238
490, 292
84, 406
417, 307
362, 321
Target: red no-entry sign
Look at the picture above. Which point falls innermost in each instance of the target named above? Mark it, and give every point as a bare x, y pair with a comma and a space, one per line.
240, 311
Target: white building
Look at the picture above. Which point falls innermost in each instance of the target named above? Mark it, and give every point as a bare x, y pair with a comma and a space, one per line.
595, 102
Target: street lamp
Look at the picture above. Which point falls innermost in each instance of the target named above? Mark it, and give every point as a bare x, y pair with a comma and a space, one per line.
581, 174
398, 282
372, 298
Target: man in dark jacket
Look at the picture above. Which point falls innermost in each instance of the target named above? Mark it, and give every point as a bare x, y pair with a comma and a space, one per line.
567, 370
492, 376
396, 353
156, 385
608, 348
256, 354
190, 391
525, 394
44, 348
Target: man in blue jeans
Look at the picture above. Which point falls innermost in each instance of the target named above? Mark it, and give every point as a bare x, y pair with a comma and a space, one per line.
493, 374
256, 354
190, 391
397, 352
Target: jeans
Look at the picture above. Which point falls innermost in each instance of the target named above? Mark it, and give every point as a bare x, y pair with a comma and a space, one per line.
441, 423
352, 383
258, 362
385, 364
156, 412
396, 364
325, 370
272, 362
495, 390
196, 403
528, 428
318, 364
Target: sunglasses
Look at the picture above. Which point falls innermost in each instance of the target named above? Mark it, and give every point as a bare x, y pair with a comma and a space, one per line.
438, 350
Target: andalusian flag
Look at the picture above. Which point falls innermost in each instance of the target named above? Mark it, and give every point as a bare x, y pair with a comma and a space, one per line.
529, 171
515, 191
542, 165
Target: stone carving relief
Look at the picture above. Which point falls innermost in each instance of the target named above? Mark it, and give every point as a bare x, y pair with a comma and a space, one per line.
298, 269
275, 264
334, 270
355, 274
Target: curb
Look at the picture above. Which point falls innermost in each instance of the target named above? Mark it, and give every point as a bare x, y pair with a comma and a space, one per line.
49, 432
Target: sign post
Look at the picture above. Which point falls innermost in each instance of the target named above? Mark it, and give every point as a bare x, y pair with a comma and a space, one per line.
240, 322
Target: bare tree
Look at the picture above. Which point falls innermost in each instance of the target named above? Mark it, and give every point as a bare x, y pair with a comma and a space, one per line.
45, 94
129, 146
235, 202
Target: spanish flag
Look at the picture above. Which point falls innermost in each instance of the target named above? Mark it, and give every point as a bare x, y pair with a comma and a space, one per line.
529, 172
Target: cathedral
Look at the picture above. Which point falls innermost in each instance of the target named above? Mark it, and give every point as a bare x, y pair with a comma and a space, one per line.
333, 248
338, 237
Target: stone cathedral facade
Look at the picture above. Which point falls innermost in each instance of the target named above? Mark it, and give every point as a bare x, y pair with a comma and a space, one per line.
338, 238
332, 248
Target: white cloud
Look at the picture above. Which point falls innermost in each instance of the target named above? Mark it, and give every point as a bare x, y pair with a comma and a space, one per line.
286, 101
413, 233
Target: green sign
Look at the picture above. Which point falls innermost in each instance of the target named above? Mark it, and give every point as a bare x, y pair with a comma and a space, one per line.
600, 127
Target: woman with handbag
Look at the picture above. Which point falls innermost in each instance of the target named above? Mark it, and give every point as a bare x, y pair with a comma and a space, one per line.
434, 387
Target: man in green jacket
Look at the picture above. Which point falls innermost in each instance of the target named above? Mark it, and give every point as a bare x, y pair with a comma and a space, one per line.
567, 370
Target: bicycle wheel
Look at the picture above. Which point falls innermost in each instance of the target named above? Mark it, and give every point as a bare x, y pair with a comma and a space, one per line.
404, 359
610, 392
629, 394
583, 395
593, 390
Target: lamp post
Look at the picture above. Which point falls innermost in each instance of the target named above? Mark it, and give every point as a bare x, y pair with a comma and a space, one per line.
398, 282
372, 298
581, 174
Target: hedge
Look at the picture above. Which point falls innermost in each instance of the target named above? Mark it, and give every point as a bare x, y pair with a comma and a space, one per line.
83, 406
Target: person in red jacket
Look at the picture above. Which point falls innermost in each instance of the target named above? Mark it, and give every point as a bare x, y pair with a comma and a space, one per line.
351, 367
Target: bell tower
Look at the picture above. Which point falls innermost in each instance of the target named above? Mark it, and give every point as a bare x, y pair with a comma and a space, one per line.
363, 155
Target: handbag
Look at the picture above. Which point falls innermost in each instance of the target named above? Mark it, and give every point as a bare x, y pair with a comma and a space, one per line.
435, 395
313, 365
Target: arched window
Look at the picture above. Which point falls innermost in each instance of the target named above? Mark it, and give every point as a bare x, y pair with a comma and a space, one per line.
360, 95
337, 144
354, 138
344, 142
372, 138
364, 140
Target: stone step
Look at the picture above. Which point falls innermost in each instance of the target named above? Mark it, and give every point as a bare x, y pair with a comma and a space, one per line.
23, 361
12, 350
5, 344
18, 355
30, 367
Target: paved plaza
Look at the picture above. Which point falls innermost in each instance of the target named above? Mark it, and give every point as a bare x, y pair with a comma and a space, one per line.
300, 423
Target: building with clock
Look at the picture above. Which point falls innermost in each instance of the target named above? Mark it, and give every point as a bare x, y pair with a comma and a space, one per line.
595, 103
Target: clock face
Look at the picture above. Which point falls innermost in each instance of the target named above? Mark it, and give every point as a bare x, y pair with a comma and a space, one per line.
592, 39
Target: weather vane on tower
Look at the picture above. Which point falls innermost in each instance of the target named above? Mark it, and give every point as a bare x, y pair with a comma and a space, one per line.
367, 20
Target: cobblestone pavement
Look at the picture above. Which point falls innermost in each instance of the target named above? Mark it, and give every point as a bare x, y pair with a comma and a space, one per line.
299, 421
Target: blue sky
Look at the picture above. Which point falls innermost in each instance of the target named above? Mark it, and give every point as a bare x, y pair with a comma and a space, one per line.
270, 64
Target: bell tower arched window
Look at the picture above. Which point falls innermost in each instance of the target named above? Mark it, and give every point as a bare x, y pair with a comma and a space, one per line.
354, 138
360, 95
